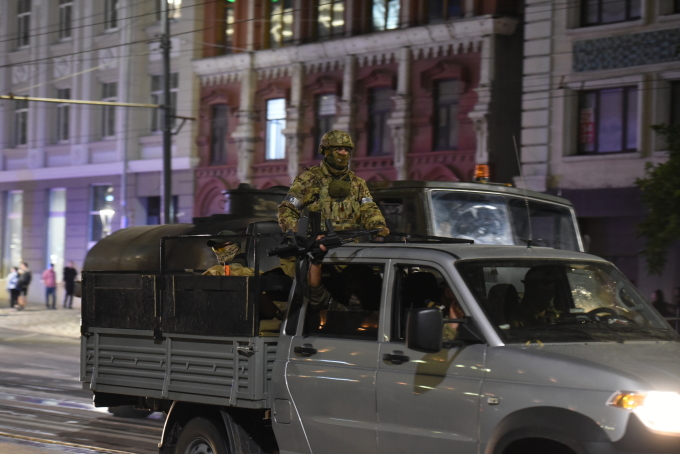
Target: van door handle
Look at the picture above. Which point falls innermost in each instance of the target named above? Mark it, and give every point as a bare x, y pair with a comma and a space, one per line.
306, 350
396, 357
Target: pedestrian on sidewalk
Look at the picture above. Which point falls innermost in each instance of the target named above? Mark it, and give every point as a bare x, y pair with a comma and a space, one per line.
13, 286
24, 281
49, 278
70, 274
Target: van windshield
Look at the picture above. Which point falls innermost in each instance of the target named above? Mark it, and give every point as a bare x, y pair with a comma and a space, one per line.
552, 301
500, 219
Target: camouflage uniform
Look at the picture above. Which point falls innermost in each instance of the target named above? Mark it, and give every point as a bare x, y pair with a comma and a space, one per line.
310, 191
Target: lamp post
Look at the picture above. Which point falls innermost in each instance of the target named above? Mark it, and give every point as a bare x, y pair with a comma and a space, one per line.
106, 215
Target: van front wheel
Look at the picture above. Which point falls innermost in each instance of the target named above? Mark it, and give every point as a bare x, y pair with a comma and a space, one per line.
201, 436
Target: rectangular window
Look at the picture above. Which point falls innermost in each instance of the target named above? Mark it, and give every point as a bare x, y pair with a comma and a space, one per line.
110, 14
446, 115
153, 209
441, 10
65, 18
325, 115
380, 106
110, 94
347, 305
280, 22
158, 115
13, 228
101, 212
608, 120
385, 14
598, 12
229, 20
331, 19
56, 230
63, 111
218, 134
276, 122
675, 102
23, 23
20, 122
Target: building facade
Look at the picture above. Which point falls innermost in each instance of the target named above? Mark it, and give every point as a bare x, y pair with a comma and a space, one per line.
427, 89
70, 174
597, 75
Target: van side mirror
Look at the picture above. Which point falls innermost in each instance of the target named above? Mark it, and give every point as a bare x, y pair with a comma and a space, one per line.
424, 329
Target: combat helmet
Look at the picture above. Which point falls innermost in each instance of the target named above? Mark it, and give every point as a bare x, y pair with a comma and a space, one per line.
335, 138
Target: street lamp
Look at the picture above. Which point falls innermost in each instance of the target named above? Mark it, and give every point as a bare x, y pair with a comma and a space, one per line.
106, 215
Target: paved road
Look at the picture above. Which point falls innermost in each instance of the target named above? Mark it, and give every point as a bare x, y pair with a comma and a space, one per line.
41, 399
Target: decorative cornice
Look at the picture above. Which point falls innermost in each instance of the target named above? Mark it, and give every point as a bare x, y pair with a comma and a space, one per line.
426, 41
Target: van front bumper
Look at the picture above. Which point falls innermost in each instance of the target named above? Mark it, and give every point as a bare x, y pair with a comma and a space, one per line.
637, 440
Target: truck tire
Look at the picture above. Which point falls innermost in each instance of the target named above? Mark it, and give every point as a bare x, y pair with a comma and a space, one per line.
201, 436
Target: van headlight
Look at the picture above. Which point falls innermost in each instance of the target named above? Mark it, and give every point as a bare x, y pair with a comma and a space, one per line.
658, 410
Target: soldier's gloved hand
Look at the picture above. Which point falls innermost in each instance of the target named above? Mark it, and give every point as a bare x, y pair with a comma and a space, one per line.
384, 232
319, 251
216, 270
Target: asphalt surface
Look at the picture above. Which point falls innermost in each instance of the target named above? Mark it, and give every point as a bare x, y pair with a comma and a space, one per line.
43, 408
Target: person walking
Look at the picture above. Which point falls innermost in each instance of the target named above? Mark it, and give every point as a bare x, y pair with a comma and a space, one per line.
13, 286
25, 277
49, 278
70, 274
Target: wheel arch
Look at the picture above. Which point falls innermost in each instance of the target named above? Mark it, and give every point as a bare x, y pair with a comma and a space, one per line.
566, 427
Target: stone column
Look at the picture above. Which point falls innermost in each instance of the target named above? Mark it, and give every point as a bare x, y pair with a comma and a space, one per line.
479, 115
400, 120
39, 127
84, 85
294, 120
244, 135
345, 117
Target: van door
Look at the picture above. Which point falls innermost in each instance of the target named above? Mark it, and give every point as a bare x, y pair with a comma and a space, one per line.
426, 402
333, 360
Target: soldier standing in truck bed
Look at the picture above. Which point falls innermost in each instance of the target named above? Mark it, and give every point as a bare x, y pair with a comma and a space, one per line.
334, 190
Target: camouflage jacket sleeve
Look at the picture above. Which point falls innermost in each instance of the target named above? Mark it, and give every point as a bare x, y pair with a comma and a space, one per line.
371, 217
292, 205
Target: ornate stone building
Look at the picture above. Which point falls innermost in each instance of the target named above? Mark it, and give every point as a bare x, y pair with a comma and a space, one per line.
427, 89
598, 74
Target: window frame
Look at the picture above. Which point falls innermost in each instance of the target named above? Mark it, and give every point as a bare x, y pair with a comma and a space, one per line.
275, 150
276, 40
214, 131
323, 123
65, 19
625, 89
56, 220
334, 31
629, 18
108, 126
158, 114
110, 14
445, 12
21, 110
452, 122
229, 29
378, 117
24, 8
382, 307
378, 24
63, 116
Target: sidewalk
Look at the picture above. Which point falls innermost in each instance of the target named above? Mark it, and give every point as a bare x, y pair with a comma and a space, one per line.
35, 318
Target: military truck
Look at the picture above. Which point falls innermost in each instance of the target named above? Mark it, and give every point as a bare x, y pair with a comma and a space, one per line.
488, 213
555, 350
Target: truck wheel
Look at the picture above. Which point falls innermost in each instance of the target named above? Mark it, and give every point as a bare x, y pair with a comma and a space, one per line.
201, 436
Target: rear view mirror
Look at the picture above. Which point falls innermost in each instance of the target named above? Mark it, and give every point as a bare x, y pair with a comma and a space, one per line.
424, 328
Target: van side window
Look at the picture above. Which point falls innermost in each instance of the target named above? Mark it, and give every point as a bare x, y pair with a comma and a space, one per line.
347, 305
418, 287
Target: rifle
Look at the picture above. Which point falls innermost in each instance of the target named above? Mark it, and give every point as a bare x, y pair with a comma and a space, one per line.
305, 244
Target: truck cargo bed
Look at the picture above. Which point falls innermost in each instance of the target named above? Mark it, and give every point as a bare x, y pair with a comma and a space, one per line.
232, 371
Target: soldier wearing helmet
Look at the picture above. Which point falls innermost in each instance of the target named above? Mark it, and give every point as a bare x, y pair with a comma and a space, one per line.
334, 190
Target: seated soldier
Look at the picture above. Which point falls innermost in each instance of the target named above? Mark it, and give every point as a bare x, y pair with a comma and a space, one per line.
537, 304
226, 248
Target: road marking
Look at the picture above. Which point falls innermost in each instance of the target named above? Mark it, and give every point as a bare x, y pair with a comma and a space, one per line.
62, 443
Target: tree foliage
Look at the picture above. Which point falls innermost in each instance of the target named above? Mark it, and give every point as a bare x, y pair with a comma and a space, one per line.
661, 194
